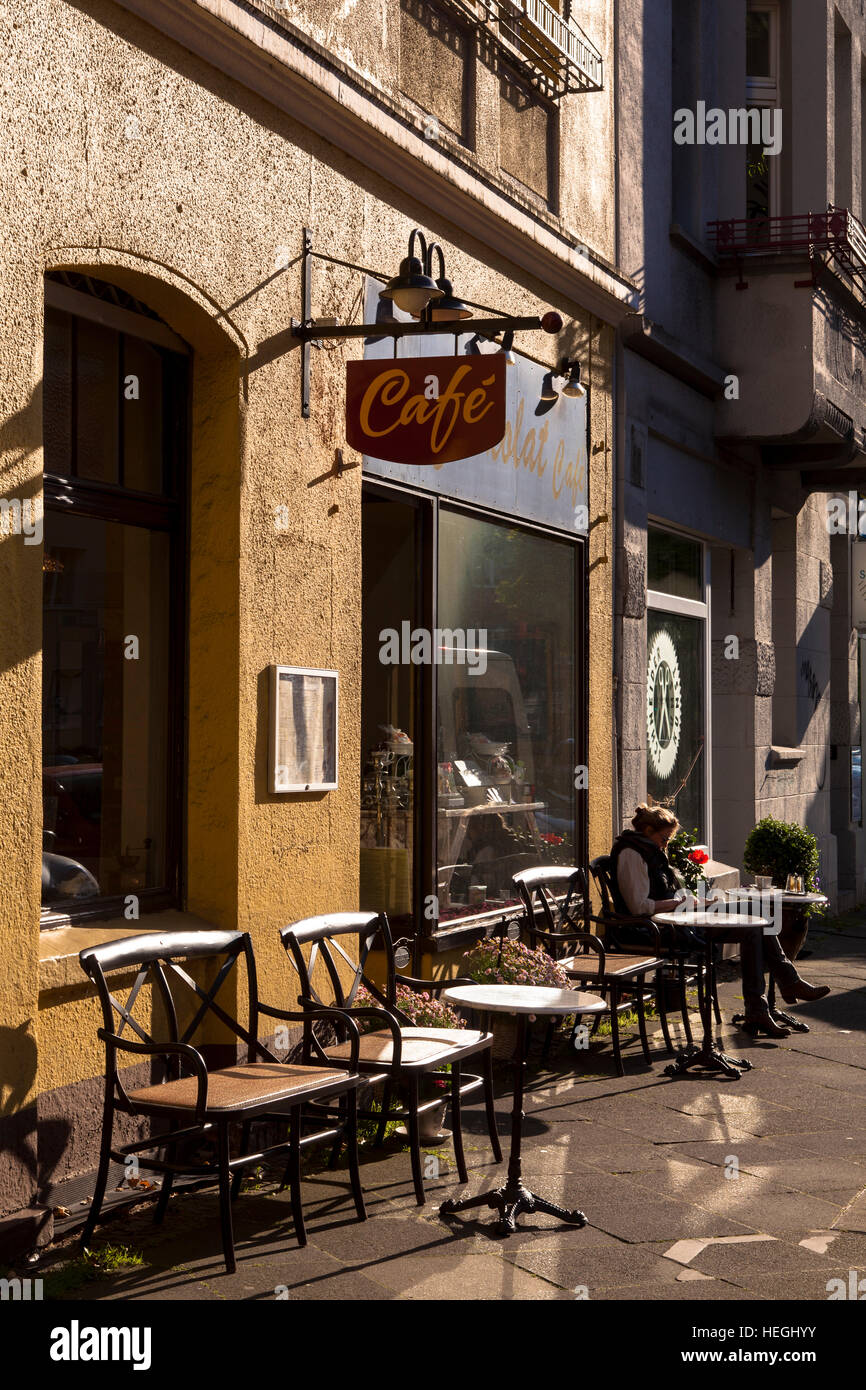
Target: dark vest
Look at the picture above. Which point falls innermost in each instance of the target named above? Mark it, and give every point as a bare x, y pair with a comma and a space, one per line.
662, 883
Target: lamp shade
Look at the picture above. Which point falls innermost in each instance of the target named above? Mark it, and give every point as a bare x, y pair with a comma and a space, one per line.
412, 290
573, 386
449, 306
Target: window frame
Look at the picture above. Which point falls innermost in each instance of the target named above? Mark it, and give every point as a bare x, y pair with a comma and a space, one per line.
660, 602
766, 91
109, 502
424, 869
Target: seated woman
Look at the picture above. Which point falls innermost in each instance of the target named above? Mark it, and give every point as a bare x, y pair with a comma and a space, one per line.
643, 884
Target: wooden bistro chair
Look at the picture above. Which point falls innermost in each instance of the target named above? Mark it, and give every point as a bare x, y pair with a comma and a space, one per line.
623, 932
556, 904
194, 1102
395, 1053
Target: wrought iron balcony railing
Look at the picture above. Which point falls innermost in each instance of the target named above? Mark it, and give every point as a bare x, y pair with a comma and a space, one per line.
835, 234
553, 52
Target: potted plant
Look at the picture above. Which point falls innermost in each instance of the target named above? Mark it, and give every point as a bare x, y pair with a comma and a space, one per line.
509, 962
779, 848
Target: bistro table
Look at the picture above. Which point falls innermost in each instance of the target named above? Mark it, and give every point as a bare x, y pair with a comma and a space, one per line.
523, 1000
718, 925
791, 938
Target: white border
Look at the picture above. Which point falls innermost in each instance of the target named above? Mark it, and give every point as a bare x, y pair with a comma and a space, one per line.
276, 672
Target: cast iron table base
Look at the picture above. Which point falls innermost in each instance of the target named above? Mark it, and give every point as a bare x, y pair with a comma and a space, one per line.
514, 1197
709, 1055
510, 1201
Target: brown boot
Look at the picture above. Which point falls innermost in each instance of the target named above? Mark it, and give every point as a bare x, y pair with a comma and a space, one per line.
759, 1022
799, 991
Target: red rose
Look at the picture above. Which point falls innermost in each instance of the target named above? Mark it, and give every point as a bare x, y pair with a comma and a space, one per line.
697, 856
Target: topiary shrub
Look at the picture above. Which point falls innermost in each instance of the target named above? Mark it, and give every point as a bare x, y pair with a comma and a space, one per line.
781, 847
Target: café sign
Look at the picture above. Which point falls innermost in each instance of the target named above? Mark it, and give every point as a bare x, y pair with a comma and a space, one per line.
534, 469
426, 410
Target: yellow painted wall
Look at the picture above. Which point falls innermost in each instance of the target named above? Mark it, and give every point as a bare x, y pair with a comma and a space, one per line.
190, 215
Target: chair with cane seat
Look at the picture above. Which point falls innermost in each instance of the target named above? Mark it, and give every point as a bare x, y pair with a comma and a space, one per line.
195, 1102
556, 896
623, 932
395, 1054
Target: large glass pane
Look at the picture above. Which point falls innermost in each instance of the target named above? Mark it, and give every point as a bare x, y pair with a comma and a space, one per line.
142, 417
674, 565
758, 193
507, 687
57, 394
676, 754
758, 51
391, 577
98, 395
105, 702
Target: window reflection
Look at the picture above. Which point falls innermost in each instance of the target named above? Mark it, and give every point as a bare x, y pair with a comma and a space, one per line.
506, 710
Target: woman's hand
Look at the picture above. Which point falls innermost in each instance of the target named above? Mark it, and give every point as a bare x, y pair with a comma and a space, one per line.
668, 904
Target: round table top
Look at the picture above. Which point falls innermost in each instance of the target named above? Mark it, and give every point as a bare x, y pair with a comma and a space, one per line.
524, 999
718, 921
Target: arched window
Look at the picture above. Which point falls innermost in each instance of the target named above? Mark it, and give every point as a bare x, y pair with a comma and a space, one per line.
115, 412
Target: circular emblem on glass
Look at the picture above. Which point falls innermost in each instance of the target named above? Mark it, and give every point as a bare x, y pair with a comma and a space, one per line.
664, 701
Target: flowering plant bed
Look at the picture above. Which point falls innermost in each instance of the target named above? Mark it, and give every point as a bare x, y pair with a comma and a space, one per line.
424, 1010
511, 964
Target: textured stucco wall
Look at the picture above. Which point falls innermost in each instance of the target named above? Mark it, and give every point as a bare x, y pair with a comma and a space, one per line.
125, 154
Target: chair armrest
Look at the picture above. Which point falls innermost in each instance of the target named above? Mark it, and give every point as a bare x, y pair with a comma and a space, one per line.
367, 1012
316, 1012
167, 1049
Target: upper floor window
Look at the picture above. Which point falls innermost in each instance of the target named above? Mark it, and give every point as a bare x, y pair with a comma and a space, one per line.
763, 50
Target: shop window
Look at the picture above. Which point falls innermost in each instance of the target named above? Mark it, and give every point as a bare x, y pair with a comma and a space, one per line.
114, 403
677, 686
470, 720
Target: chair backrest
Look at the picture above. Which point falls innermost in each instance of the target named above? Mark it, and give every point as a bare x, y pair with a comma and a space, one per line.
602, 873
558, 891
155, 957
324, 936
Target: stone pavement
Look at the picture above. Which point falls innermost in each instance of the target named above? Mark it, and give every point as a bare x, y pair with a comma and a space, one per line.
695, 1188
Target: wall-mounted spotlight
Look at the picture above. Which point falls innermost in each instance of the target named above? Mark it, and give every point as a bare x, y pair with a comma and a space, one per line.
507, 347
573, 386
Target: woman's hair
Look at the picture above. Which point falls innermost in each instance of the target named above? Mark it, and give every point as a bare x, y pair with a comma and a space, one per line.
653, 818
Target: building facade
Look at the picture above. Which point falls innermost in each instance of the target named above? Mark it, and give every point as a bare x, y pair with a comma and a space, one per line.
184, 513
741, 415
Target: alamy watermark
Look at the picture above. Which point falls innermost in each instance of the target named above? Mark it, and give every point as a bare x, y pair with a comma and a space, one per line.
15, 521
755, 125
439, 646
846, 516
